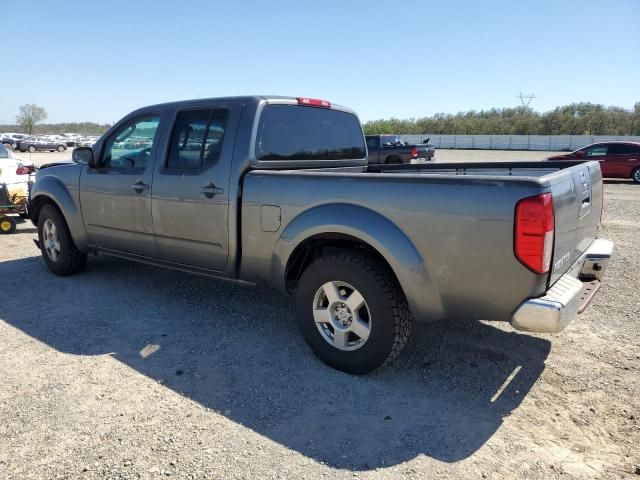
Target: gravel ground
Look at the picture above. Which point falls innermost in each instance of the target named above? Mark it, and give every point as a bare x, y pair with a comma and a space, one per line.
128, 371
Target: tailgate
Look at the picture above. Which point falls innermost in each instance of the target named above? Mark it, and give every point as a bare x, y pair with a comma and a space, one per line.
578, 204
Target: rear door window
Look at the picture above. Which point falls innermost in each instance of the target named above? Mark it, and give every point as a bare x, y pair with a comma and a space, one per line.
622, 149
291, 132
197, 138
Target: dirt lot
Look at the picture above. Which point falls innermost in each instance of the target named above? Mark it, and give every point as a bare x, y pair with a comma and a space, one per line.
128, 371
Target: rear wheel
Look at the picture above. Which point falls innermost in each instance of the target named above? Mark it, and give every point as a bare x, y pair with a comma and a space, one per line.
7, 225
635, 175
60, 254
352, 312
61, 148
31, 148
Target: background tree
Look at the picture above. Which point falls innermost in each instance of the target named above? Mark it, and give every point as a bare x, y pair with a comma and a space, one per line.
29, 115
573, 119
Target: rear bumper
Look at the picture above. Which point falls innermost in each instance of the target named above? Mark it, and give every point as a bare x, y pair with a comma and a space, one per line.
569, 296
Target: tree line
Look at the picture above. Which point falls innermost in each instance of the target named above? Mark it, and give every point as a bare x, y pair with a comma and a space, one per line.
573, 119
87, 128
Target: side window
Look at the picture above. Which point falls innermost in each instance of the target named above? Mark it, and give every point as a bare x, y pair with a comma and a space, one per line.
130, 146
622, 149
197, 138
597, 151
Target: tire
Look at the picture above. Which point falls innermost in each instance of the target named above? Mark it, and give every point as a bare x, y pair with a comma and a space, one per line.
635, 175
384, 310
60, 254
393, 161
8, 146
61, 148
31, 149
7, 225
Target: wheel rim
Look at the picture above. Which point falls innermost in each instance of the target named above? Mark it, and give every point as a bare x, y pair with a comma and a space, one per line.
636, 175
5, 225
32, 149
342, 316
51, 242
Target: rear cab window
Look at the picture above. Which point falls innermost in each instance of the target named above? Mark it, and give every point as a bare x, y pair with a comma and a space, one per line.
293, 132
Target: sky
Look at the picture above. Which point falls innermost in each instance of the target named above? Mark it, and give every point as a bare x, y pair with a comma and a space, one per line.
99, 60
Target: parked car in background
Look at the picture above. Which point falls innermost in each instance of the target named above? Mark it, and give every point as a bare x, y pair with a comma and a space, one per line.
390, 149
32, 144
280, 192
10, 140
86, 141
617, 159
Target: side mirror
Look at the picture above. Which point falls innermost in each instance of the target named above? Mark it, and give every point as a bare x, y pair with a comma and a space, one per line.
580, 154
83, 156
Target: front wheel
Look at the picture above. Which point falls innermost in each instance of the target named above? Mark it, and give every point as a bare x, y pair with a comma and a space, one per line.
352, 312
32, 149
60, 254
635, 175
61, 148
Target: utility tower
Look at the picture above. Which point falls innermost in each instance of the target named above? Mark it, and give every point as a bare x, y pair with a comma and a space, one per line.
526, 99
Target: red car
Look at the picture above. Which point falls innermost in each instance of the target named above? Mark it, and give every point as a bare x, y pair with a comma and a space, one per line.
617, 159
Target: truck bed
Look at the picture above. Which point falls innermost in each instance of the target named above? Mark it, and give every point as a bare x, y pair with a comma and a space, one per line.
459, 217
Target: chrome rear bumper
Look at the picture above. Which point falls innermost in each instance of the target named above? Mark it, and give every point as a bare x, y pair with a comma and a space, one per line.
567, 297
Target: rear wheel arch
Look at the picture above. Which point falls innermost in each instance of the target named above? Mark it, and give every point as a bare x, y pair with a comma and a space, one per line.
359, 229
316, 246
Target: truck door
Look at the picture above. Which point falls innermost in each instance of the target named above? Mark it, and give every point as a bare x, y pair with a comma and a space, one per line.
190, 198
115, 195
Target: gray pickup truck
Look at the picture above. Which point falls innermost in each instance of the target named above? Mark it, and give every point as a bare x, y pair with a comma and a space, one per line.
277, 190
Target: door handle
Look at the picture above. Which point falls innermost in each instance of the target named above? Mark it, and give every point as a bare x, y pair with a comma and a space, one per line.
139, 186
632, 160
209, 190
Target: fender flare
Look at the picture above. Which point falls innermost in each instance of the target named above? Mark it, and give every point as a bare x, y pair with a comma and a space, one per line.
52, 189
373, 229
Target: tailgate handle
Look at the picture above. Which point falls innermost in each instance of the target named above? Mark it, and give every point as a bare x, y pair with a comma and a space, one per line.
586, 201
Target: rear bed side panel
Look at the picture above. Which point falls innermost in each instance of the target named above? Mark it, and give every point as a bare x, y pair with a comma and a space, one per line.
461, 227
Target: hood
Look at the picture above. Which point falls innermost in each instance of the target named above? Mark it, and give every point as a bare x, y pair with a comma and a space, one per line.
56, 164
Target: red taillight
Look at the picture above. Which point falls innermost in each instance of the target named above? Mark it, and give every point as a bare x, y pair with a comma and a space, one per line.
314, 102
25, 170
534, 232
414, 152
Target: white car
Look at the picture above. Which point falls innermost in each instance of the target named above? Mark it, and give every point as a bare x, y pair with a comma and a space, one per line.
9, 163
